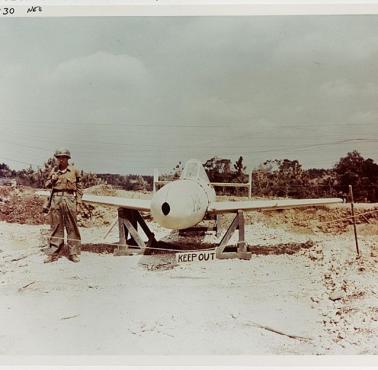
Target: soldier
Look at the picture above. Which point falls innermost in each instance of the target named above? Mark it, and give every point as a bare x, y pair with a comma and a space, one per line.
65, 200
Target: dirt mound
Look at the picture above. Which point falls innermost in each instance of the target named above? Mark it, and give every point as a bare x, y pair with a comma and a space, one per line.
281, 248
98, 215
333, 220
21, 206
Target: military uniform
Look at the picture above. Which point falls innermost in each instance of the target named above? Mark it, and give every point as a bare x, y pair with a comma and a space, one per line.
66, 194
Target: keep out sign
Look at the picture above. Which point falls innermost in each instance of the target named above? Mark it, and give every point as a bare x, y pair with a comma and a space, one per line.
196, 256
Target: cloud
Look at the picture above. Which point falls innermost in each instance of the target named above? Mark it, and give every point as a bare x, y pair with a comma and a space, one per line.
338, 89
101, 68
263, 82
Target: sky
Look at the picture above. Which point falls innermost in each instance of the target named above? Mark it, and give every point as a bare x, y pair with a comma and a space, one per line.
130, 94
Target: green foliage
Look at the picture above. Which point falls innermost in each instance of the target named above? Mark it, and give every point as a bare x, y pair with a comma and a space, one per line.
89, 179
218, 169
43, 173
239, 167
361, 173
273, 178
282, 178
128, 182
5, 171
27, 177
239, 176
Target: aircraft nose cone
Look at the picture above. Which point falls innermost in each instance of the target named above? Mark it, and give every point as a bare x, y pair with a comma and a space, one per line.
165, 208
179, 205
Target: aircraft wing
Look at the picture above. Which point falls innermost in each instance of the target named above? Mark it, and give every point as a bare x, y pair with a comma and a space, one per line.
268, 205
130, 203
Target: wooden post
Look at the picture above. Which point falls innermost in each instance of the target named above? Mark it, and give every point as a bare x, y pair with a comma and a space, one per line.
242, 247
128, 220
122, 249
121, 227
217, 225
155, 180
354, 218
134, 233
241, 242
250, 186
150, 235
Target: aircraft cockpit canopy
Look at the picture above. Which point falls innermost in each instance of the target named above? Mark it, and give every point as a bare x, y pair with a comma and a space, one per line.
194, 170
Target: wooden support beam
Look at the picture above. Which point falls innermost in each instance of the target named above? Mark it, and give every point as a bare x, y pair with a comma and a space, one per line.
134, 234
226, 255
121, 227
217, 224
227, 236
143, 225
250, 186
150, 235
156, 179
231, 184
242, 246
122, 248
242, 252
354, 218
128, 220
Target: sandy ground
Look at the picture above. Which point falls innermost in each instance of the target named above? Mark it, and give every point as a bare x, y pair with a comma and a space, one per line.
319, 300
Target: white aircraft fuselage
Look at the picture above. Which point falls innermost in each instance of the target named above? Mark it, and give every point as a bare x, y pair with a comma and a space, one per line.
183, 203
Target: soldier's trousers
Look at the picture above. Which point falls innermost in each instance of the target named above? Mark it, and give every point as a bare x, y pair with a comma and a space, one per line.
63, 216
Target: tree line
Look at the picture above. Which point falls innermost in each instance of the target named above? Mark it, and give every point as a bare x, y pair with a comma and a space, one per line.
272, 178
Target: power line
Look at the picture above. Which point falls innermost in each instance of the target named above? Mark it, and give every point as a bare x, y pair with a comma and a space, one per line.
180, 147
121, 124
129, 124
173, 150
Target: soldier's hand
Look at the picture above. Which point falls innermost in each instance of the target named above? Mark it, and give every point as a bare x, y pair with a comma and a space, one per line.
79, 207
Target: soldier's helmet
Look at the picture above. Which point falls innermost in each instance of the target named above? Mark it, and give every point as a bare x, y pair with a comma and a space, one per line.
62, 153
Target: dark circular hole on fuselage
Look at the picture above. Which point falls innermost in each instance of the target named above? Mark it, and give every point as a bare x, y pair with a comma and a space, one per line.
165, 208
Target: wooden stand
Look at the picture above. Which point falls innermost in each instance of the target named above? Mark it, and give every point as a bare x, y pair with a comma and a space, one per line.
242, 252
128, 220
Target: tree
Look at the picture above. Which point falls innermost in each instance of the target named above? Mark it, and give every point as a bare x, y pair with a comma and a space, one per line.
281, 177
239, 167
261, 178
43, 173
140, 184
361, 173
89, 179
239, 174
5, 171
26, 176
218, 169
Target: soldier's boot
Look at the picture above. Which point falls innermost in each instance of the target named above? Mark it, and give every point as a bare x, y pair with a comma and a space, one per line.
74, 258
51, 258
